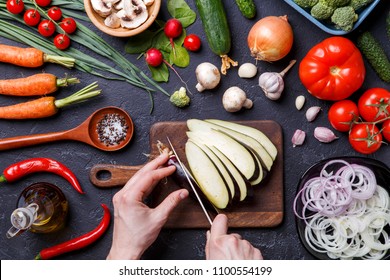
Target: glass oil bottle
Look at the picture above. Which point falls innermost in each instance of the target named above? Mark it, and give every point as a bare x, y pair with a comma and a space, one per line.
41, 208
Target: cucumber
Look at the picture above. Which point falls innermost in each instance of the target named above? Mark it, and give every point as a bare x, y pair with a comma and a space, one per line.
375, 55
215, 24
247, 8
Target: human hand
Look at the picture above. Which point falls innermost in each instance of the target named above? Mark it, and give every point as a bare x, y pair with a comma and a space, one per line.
223, 246
136, 226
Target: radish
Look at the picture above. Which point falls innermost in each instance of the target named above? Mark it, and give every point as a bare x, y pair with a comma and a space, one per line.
154, 57
173, 29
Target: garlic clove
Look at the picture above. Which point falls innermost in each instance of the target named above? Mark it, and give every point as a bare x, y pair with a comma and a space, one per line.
299, 102
247, 70
324, 134
298, 138
312, 113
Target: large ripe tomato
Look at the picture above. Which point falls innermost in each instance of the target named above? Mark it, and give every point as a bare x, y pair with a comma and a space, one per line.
374, 104
333, 69
342, 114
386, 130
365, 138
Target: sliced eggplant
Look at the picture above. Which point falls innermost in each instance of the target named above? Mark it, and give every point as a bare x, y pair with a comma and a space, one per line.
207, 176
234, 151
241, 181
251, 132
260, 152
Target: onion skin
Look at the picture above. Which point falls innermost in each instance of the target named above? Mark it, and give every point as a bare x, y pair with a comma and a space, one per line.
271, 38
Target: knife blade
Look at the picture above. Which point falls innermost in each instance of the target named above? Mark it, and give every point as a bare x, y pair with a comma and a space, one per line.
190, 182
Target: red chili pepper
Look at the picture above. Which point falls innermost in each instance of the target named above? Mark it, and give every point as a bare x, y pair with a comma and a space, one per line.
33, 165
78, 242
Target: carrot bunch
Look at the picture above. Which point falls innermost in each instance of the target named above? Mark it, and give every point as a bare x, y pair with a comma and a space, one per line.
38, 84
46, 106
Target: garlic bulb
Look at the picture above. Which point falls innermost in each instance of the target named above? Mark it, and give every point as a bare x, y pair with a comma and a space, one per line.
272, 83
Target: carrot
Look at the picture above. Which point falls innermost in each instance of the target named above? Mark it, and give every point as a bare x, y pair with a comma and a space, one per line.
46, 106
31, 57
38, 84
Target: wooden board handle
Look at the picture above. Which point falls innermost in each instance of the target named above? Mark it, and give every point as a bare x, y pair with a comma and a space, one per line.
111, 175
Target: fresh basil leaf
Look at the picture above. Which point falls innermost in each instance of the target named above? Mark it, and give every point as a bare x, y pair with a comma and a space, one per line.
181, 11
179, 57
160, 73
140, 43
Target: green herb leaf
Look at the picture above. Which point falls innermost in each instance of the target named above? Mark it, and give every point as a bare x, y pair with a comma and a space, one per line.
140, 43
160, 73
162, 43
181, 11
179, 57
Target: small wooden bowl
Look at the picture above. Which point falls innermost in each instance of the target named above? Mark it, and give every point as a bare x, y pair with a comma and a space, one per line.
98, 20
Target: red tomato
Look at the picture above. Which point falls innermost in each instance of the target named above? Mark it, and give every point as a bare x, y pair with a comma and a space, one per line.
332, 69
43, 3
31, 17
192, 42
46, 28
61, 41
54, 13
386, 130
365, 138
15, 6
374, 104
342, 114
68, 25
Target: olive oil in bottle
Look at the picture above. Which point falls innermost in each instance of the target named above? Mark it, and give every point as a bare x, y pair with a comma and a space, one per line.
41, 208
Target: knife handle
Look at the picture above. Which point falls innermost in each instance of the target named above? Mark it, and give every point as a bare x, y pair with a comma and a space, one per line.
111, 175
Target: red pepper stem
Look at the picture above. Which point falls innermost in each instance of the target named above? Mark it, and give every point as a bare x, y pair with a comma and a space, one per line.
2, 179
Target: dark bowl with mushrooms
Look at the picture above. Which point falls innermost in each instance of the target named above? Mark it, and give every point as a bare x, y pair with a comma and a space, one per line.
122, 18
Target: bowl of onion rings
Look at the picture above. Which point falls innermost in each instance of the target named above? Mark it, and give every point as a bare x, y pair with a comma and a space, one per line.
342, 209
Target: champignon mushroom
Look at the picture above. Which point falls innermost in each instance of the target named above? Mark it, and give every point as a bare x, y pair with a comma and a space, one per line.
234, 99
112, 21
148, 2
102, 7
119, 5
135, 14
207, 75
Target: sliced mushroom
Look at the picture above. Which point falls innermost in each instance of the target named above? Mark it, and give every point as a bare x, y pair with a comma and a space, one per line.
148, 2
119, 5
103, 8
136, 14
112, 21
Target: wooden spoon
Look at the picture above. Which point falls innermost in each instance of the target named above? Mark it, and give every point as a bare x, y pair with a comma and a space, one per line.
86, 132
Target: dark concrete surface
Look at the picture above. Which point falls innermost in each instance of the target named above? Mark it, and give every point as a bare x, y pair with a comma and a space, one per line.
277, 243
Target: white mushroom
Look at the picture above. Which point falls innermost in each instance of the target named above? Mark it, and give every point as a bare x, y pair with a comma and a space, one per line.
148, 2
207, 75
234, 99
119, 5
102, 7
112, 21
135, 14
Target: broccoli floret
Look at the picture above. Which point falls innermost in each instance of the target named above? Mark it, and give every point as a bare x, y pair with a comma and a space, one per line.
357, 4
321, 10
344, 18
336, 3
306, 3
180, 98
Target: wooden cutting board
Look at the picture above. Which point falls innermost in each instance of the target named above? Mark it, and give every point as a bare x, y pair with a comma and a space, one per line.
264, 209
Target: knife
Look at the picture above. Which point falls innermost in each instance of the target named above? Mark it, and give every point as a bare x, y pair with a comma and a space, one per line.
190, 182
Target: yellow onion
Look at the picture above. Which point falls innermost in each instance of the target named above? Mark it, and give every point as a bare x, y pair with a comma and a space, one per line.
271, 38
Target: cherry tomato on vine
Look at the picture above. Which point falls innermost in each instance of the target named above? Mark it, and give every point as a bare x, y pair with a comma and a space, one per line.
15, 6
31, 17
192, 42
43, 3
46, 28
374, 104
54, 13
69, 25
342, 114
365, 138
61, 41
386, 130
